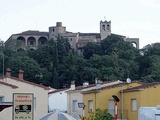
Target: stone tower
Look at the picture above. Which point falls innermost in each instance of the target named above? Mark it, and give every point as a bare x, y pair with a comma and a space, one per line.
105, 29
56, 30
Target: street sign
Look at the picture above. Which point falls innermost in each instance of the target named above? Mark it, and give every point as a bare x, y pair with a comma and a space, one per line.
23, 106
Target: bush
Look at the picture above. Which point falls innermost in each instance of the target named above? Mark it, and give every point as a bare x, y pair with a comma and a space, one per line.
100, 115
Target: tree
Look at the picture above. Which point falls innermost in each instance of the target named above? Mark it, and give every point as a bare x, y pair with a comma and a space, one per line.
149, 63
30, 67
90, 49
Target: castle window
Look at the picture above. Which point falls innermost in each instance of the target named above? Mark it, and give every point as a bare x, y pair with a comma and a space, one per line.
103, 27
53, 29
70, 39
107, 27
31, 43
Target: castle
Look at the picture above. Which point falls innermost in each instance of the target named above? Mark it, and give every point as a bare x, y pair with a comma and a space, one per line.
32, 39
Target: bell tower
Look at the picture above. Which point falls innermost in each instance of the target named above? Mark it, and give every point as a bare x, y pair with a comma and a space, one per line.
105, 29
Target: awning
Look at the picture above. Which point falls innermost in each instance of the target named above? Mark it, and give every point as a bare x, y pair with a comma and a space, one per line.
4, 105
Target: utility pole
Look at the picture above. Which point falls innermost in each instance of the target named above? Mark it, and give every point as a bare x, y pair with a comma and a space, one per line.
2, 55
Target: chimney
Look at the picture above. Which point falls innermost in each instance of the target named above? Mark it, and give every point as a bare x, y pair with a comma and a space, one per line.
85, 84
20, 75
98, 83
72, 85
8, 72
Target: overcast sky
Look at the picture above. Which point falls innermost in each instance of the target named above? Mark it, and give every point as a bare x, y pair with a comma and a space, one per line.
131, 18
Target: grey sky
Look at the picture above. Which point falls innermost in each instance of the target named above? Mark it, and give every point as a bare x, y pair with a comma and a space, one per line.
132, 18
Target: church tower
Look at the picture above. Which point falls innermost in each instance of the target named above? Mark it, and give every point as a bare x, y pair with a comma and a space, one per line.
56, 30
105, 29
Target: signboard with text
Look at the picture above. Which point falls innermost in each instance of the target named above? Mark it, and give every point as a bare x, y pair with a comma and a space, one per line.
23, 106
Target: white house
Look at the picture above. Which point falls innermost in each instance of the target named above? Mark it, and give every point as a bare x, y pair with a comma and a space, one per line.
74, 96
58, 98
10, 85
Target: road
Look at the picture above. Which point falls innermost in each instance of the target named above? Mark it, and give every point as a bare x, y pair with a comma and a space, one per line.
56, 115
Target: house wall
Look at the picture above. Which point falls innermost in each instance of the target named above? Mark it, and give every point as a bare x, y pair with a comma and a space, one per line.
77, 95
41, 95
102, 97
127, 104
74, 96
6, 92
90, 97
58, 101
148, 97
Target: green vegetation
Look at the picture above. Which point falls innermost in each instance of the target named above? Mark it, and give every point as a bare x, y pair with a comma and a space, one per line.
100, 115
112, 59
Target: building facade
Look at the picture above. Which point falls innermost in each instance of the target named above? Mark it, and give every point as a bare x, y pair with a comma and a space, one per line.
146, 95
132, 96
58, 100
10, 85
102, 98
75, 96
32, 39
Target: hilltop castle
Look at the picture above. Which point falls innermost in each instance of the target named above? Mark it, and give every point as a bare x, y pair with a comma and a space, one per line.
32, 39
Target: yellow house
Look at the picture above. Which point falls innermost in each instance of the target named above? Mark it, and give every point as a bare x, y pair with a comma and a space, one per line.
102, 98
136, 97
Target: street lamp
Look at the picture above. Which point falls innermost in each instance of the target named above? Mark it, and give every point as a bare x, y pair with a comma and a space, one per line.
1, 53
81, 105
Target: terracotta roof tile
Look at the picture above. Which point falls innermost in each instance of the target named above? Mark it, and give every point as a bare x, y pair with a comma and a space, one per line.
141, 87
94, 85
31, 83
7, 84
32, 32
103, 88
58, 90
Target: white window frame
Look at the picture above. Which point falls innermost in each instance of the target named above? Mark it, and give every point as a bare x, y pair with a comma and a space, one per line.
35, 106
2, 98
90, 103
134, 104
111, 105
74, 105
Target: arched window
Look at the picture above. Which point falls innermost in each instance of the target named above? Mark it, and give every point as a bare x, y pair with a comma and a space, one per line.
103, 27
42, 40
108, 27
31, 42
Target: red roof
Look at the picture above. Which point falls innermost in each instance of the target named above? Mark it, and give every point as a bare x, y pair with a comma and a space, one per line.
58, 90
7, 84
141, 87
92, 85
106, 87
25, 81
103, 88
